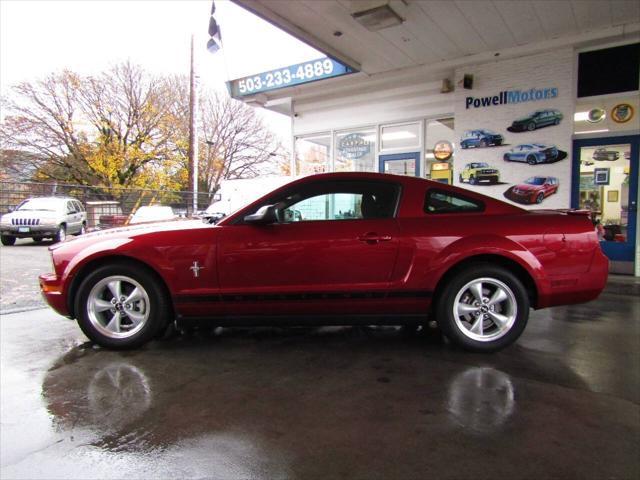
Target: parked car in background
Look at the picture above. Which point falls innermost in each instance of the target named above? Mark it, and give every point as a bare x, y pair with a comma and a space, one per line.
532, 153
476, 172
409, 249
533, 190
603, 154
44, 217
112, 220
480, 138
537, 119
152, 213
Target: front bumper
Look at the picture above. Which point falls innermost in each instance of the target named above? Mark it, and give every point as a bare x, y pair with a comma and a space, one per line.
51, 288
523, 198
20, 231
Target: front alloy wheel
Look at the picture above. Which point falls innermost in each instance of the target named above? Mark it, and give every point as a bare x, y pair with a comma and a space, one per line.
121, 307
484, 308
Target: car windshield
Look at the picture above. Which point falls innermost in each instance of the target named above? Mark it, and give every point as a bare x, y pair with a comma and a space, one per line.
40, 204
479, 165
535, 180
488, 132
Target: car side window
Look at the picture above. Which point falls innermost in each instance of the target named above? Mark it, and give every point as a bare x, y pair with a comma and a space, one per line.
440, 201
70, 208
331, 206
337, 200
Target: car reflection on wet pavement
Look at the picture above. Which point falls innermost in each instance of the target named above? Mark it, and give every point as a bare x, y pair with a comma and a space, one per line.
325, 403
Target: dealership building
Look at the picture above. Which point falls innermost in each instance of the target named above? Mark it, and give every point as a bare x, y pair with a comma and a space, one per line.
533, 103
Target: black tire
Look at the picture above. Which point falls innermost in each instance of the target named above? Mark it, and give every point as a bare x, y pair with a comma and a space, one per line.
38, 239
447, 321
61, 234
540, 198
531, 126
531, 160
158, 307
473, 180
7, 240
483, 143
83, 229
506, 158
556, 121
460, 179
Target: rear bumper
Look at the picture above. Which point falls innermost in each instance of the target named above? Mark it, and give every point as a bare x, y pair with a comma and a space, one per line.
571, 289
51, 289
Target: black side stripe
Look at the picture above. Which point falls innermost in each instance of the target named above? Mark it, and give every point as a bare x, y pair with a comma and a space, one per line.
301, 296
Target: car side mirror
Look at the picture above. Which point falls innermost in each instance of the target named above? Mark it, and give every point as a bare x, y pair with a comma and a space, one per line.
264, 216
11, 209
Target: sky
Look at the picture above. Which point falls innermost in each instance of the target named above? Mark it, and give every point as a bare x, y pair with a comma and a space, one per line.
41, 37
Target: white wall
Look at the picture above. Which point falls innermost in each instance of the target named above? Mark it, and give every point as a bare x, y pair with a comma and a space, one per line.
548, 70
371, 102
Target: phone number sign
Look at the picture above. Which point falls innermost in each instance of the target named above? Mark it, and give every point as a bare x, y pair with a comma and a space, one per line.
288, 76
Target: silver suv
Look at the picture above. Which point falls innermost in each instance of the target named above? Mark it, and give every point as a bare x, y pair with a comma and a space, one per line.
44, 217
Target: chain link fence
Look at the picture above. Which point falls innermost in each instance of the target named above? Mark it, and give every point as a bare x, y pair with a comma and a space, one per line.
106, 207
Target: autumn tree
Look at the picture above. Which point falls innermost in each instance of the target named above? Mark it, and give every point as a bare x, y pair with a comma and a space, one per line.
127, 128
112, 130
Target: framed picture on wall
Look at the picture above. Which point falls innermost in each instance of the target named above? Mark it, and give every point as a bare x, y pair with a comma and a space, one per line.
601, 176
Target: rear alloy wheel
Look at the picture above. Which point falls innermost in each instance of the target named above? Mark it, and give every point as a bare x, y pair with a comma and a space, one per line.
531, 126
484, 308
61, 234
7, 240
121, 307
483, 143
83, 229
531, 160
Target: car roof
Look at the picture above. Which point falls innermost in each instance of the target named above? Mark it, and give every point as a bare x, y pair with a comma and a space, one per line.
52, 199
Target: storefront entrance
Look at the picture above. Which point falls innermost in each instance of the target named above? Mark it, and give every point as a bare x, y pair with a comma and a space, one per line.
401, 164
605, 181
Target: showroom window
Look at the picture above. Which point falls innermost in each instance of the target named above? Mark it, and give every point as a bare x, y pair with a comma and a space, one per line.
356, 150
312, 154
401, 137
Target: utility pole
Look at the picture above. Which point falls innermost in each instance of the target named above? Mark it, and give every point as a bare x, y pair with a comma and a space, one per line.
193, 130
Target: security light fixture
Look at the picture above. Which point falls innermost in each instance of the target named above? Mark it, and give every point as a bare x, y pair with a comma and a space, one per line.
377, 18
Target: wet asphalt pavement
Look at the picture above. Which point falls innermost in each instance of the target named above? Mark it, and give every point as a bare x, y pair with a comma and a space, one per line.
20, 266
326, 403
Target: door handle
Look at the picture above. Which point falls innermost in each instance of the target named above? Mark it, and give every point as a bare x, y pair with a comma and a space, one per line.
372, 238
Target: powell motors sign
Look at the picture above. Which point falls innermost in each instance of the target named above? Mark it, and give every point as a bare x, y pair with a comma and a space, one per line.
512, 96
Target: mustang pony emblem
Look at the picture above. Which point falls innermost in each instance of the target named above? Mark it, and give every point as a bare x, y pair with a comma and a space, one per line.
195, 268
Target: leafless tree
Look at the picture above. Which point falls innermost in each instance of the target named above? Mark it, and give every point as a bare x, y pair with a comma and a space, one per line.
236, 142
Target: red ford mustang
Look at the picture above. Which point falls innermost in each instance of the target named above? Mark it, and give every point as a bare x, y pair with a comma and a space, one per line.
334, 249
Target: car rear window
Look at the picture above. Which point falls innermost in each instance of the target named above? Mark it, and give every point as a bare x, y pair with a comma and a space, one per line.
441, 201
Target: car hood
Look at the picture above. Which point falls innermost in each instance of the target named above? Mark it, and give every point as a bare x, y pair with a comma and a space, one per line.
525, 187
130, 232
41, 214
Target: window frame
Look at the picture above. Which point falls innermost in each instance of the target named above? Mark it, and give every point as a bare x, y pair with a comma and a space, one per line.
274, 199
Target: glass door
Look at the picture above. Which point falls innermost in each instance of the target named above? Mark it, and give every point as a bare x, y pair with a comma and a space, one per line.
401, 164
605, 181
